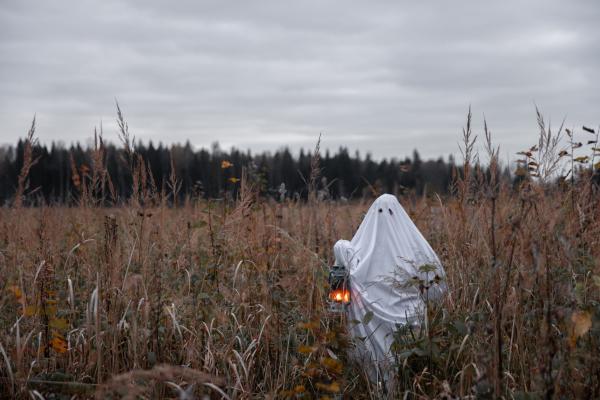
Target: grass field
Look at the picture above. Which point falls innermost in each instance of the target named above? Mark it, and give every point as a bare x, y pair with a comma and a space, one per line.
226, 299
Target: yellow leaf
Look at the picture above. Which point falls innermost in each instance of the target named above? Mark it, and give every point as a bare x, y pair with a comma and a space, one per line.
330, 336
332, 365
333, 387
306, 349
311, 325
51, 310
226, 164
30, 311
582, 322
299, 389
233, 180
311, 373
58, 335
16, 291
58, 344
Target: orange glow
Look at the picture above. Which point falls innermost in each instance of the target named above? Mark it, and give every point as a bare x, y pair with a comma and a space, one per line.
340, 296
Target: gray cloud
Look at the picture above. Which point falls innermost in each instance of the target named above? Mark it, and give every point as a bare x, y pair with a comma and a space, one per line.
384, 77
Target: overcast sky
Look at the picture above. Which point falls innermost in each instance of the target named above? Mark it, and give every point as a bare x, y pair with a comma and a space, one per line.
384, 77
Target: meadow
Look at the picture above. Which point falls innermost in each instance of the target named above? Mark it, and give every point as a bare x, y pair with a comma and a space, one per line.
226, 298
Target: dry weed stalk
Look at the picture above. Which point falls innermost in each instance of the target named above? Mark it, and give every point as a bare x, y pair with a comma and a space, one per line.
28, 162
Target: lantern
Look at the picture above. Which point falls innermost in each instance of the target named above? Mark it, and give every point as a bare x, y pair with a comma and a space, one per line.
339, 289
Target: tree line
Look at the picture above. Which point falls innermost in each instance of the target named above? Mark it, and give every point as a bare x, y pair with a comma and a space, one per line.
56, 174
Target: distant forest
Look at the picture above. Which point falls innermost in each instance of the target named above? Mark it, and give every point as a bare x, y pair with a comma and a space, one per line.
57, 174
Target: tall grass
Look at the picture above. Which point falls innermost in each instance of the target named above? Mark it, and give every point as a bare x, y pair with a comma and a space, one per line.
225, 298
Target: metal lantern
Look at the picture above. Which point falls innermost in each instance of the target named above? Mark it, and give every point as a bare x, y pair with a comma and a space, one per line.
339, 289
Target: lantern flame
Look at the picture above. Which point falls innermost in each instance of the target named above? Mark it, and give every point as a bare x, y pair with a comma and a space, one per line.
340, 296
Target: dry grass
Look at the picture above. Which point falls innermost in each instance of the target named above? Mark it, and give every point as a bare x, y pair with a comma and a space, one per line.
226, 298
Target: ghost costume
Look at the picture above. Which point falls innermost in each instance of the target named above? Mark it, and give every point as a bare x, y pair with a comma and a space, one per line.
383, 260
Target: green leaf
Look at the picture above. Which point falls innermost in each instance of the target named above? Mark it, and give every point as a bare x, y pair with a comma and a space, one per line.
199, 224
419, 352
59, 323
460, 327
367, 318
405, 354
427, 268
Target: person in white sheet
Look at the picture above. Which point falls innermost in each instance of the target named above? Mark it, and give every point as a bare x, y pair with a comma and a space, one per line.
383, 258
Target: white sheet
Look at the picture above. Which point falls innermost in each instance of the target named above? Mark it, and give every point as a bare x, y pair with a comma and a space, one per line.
385, 253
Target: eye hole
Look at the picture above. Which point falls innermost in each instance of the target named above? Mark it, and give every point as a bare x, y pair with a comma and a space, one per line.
391, 212
380, 210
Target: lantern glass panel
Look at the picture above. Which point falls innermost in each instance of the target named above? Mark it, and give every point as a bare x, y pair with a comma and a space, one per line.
339, 294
